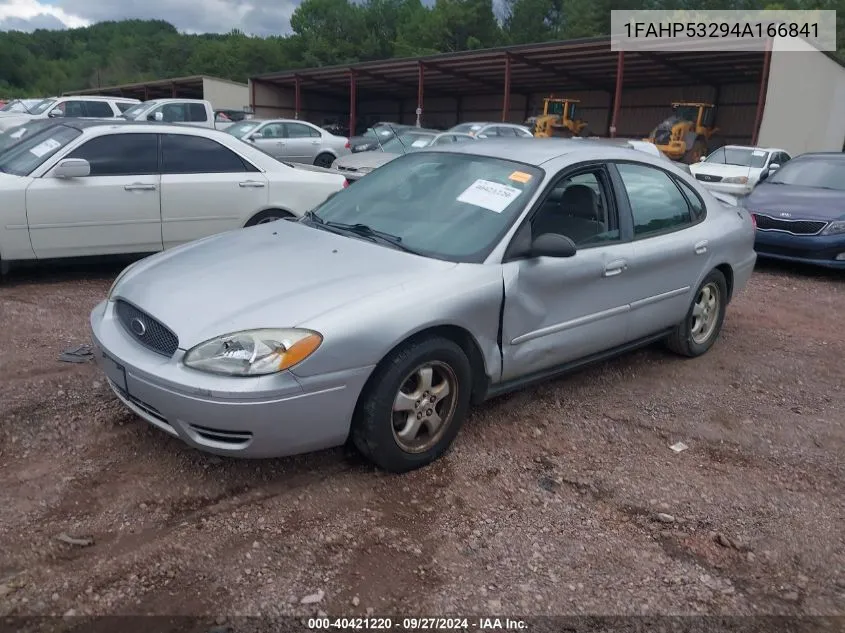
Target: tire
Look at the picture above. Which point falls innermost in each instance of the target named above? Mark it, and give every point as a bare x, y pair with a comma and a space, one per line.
324, 160
694, 154
683, 339
376, 427
269, 215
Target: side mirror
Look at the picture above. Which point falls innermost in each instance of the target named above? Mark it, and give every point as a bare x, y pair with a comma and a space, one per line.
255, 136
72, 168
702, 159
773, 167
156, 116
55, 112
552, 245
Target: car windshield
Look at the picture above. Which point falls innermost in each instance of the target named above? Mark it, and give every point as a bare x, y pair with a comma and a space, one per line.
137, 109
43, 106
739, 156
407, 142
30, 153
243, 128
14, 135
444, 205
818, 173
19, 105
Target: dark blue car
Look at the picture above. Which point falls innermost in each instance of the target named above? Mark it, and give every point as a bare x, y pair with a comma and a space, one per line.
800, 211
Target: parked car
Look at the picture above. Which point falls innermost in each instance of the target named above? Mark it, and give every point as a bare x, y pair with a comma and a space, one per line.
102, 188
360, 164
68, 107
293, 140
800, 211
736, 169
195, 112
490, 129
20, 105
373, 136
448, 276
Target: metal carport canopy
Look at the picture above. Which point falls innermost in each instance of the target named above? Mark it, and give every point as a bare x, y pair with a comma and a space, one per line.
184, 87
585, 64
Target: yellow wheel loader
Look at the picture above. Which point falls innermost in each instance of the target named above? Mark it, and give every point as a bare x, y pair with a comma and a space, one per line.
559, 119
688, 134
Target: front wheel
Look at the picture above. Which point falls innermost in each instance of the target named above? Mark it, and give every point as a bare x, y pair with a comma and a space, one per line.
703, 323
414, 405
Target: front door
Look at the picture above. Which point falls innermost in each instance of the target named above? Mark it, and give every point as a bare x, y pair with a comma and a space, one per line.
561, 310
670, 248
272, 140
196, 168
116, 209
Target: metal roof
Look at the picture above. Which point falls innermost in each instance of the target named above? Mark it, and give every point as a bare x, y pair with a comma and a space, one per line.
584, 64
185, 87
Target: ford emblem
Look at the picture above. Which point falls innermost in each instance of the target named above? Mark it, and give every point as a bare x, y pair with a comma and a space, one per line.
138, 326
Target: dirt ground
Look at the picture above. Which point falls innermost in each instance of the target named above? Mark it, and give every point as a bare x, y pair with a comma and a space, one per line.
562, 499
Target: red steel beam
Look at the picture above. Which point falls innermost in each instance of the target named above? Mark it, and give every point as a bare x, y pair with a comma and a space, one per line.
764, 85
617, 95
297, 96
420, 87
506, 102
353, 98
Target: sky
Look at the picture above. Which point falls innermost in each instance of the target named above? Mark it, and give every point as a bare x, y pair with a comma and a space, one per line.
256, 17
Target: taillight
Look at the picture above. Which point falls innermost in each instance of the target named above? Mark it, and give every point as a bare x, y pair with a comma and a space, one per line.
348, 145
754, 220
345, 183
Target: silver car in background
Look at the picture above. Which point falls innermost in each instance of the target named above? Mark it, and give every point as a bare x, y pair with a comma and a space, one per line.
491, 129
292, 140
359, 164
446, 277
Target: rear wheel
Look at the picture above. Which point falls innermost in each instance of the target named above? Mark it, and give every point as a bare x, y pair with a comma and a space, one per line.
698, 149
270, 215
324, 160
703, 323
414, 405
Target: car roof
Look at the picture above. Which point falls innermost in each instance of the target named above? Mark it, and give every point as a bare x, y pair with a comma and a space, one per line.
754, 147
536, 151
118, 123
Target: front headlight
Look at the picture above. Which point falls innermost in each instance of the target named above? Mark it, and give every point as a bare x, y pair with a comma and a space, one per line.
364, 170
735, 180
835, 228
253, 352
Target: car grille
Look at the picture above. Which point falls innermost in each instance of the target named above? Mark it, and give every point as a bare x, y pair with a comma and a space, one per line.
707, 178
146, 330
796, 227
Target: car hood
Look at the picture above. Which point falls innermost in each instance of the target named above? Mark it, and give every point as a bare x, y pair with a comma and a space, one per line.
723, 171
800, 202
365, 159
279, 274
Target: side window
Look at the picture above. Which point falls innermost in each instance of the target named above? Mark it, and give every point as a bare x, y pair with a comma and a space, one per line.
297, 130
506, 131
120, 154
75, 109
273, 130
696, 204
99, 109
196, 112
656, 203
462, 139
521, 132
580, 208
172, 112
188, 154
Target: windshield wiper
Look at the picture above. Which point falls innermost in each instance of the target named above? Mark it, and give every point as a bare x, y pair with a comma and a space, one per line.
312, 217
372, 234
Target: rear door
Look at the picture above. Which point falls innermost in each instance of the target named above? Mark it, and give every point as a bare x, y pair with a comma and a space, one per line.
116, 209
303, 142
670, 247
206, 188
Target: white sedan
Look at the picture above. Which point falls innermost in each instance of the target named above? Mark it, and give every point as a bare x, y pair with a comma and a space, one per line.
103, 188
736, 169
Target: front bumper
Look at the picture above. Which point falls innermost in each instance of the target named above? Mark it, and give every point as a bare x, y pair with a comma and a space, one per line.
817, 250
258, 417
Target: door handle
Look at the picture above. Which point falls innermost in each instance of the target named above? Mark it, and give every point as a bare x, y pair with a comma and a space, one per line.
251, 183
615, 268
315, 142
701, 247
137, 186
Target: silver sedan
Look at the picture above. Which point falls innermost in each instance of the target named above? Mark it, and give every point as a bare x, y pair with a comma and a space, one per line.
446, 277
292, 140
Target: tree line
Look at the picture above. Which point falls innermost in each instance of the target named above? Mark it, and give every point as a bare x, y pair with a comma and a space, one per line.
324, 32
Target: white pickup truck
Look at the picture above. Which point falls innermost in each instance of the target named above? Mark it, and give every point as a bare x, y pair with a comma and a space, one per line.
197, 112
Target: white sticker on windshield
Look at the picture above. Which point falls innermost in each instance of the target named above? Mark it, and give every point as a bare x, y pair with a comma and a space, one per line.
19, 133
489, 195
758, 152
45, 148
421, 143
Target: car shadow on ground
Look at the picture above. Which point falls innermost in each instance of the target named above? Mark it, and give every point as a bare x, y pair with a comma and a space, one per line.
67, 270
797, 269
